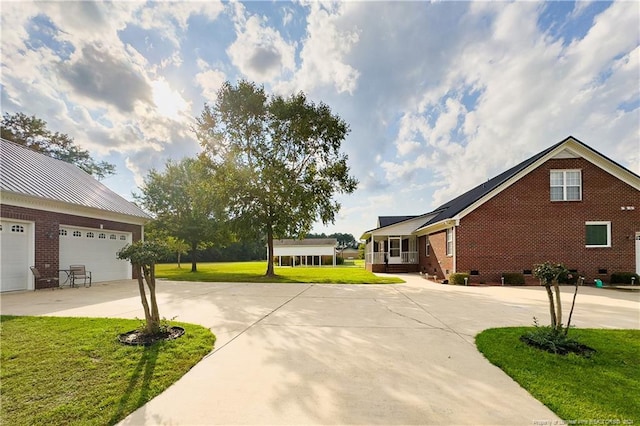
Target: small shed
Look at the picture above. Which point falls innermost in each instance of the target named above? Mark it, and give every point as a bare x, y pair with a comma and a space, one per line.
310, 252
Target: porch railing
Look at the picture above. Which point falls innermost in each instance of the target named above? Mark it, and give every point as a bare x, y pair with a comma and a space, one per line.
378, 257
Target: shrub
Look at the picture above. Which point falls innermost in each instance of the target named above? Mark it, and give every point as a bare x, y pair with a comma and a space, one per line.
624, 278
513, 278
555, 341
569, 277
458, 279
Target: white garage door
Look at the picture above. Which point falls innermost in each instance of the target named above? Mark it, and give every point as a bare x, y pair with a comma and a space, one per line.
96, 249
17, 254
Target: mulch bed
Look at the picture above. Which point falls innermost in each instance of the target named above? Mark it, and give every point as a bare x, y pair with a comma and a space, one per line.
139, 338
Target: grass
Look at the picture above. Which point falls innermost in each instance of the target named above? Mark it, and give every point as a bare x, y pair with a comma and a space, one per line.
67, 371
254, 272
602, 388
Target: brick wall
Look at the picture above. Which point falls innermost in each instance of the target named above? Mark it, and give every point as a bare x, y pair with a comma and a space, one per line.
437, 263
521, 226
47, 248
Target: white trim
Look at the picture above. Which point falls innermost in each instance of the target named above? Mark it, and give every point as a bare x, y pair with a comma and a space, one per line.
608, 223
36, 203
30, 229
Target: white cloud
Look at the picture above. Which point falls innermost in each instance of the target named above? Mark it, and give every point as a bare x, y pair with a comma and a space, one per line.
210, 81
259, 51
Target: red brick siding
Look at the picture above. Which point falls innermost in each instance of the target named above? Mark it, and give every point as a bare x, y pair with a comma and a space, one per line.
47, 243
521, 226
437, 263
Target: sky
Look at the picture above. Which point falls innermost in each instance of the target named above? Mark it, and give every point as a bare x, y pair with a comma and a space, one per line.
439, 96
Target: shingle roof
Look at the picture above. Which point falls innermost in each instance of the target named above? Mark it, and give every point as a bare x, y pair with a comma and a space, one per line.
390, 220
306, 242
24, 171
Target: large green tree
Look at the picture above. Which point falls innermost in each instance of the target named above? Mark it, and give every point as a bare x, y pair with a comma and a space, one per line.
32, 132
278, 160
186, 203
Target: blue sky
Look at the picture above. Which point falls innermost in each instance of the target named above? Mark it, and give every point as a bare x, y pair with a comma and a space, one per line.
439, 96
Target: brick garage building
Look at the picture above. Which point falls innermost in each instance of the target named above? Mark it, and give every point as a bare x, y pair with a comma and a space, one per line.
568, 203
52, 215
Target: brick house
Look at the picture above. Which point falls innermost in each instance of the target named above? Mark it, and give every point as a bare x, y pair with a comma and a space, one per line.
568, 204
52, 215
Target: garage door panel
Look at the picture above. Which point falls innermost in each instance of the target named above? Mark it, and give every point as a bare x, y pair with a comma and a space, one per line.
16, 250
96, 249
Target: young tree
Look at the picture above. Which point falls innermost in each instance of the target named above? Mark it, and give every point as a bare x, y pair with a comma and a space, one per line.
144, 255
278, 160
549, 275
32, 132
186, 203
178, 247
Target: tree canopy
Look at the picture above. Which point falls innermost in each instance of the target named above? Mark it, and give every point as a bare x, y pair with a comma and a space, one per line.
32, 132
186, 203
277, 160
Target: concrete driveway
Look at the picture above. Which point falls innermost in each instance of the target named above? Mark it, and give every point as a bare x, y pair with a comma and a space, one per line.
339, 354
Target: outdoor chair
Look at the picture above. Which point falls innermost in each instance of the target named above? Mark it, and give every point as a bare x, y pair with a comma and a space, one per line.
38, 276
79, 272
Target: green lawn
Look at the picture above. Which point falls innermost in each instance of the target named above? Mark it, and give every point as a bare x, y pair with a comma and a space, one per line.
254, 272
56, 371
604, 387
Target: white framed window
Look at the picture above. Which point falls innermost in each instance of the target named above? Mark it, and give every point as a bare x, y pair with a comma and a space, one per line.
565, 185
77, 234
427, 247
598, 234
17, 228
89, 234
123, 237
62, 232
112, 237
102, 236
450, 242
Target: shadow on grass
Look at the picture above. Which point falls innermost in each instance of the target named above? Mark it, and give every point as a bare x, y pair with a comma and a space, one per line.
138, 383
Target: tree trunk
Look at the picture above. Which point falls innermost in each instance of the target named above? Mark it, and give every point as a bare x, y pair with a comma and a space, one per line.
552, 309
179, 260
558, 305
155, 314
270, 270
194, 247
143, 297
575, 293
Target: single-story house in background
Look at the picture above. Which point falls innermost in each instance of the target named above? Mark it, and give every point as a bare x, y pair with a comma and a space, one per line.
568, 204
310, 252
52, 215
348, 253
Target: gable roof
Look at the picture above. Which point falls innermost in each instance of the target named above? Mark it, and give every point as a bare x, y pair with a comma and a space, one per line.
27, 172
306, 242
459, 204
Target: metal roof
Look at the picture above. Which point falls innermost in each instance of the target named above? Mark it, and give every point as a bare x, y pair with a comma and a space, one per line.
24, 171
307, 242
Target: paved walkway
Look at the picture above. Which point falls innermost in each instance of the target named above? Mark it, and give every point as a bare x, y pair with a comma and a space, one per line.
339, 354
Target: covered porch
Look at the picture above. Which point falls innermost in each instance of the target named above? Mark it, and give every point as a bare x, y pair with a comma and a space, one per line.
391, 253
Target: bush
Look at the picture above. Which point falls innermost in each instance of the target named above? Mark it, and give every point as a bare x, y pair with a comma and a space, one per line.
458, 279
570, 277
624, 278
555, 341
513, 278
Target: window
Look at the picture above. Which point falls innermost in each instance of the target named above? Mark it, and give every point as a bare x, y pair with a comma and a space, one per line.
102, 236
566, 185
89, 234
77, 234
17, 228
123, 237
598, 234
450, 242
62, 232
112, 237
427, 248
